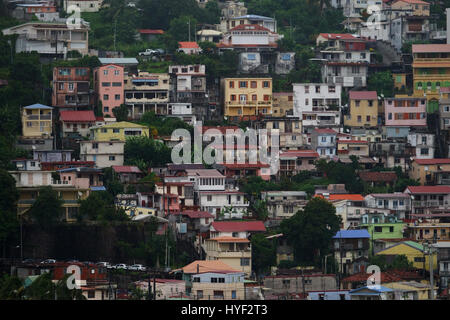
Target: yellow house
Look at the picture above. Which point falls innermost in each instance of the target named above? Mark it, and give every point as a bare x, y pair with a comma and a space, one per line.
419, 8
118, 131
431, 71
283, 104
245, 97
363, 109
425, 170
235, 252
411, 290
413, 251
37, 121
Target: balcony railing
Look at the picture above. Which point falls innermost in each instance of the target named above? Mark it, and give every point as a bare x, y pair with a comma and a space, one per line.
431, 203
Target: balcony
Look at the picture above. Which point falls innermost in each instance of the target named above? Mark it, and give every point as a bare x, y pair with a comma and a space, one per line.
430, 204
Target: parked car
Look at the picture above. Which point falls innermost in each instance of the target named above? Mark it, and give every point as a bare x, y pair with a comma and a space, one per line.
148, 52
28, 261
137, 267
48, 261
104, 264
122, 266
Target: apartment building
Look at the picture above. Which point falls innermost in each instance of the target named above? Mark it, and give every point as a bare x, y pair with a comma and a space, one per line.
363, 109
250, 37
430, 171
293, 162
289, 130
109, 87
423, 143
104, 153
50, 39
351, 250
429, 202
283, 204
397, 203
118, 131
76, 124
324, 142
71, 88
404, 113
245, 97
37, 121
235, 252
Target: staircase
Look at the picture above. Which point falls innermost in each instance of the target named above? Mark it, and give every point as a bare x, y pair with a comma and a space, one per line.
388, 51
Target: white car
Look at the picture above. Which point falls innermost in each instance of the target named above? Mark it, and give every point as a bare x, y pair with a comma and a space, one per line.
104, 264
122, 266
48, 261
137, 267
148, 52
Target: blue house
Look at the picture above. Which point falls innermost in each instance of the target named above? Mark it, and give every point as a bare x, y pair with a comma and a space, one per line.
372, 293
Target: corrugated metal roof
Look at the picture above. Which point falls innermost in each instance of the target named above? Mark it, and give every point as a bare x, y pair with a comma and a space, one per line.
37, 106
352, 234
118, 61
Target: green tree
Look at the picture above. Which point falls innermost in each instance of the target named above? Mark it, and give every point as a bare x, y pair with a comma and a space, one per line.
47, 209
121, 113
310, 231
11, 288
100, 206
382, 83
8, 208
111, 182
263, 254
152, 152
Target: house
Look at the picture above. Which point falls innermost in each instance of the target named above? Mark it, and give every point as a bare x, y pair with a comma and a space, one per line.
37, 122
235, 252
350, 207
150, 35
249, 37
392, 153
410, 290
236, 229
76, 124
146, 92
266, 22
284, 286
443, 260
323, 141
128, 174
360, 279
252, 62
40, 37
289, 130
359, 148
165, 288
104, 153
329, 295
430, 171
431, 66
230, 10
283, 104
209, 35
27, 164
413, 251
212, 280
247, 97
118, 131
318, 105
283, 204
372, 293
285, 62
57, 165
84, 5
71, 88
363, 109
429, 202
82, 177
189, 47
236, 171
397, 203
423, 144
429, 231
345, 59
44, 11
227, 204
184, 190
109, 87
192, 223
351, 250
52, 155
189, 86
129, 64
401, 114
292, 162
380, 178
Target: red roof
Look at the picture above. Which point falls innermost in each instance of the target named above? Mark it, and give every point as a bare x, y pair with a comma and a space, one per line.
352, 141
411, 1
195, 214
126, 169
351, 197
151, 31
188, 45
386, 176
325, 130
363, 95
428, 189
239, 226
299, 154
432, 48
255, 27
335, 36
388, 276
245, 165
77, 116
432, 161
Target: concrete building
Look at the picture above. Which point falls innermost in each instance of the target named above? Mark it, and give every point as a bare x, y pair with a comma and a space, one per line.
109, 87
404, 112
363, 109
71, 88
283, 104
76, 124
104, 153
324, 142
118, 131
37, 121
84, 5
351, 250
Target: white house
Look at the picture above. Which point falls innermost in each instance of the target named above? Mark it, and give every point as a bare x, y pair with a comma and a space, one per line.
103, 153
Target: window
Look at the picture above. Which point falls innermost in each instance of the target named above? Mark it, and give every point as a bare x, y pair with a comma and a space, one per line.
106, 109
116, 84
245, 261
200, 294
231, 84
218, 294
209, 198
221, 280
213, 280
70, 86
357, 103
378, 229
112, 158
317, 89
363, 55
331, 89
61, 86
233, 294
117, 97
94, 145
242, 84
91, 294
233, 97
391, 229
105, 72
116, 72
253, 84
367, 118
106, 97
359, 118
306, 89
266, 84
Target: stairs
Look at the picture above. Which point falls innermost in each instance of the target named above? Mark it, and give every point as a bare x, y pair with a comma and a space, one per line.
388, 51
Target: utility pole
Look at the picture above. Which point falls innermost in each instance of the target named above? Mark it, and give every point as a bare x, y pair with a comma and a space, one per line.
189, 23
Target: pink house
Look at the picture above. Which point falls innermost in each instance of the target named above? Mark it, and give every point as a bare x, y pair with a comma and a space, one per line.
109, 86
405, 112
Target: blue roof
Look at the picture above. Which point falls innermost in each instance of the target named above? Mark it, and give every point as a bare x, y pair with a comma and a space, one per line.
351, 234
118, 60
37, 106
376, 290
98, 188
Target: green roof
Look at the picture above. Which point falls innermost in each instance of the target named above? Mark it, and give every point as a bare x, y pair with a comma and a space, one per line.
414, 244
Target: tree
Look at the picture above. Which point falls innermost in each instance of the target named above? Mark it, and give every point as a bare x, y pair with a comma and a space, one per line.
310, 231
121, 113
179, 28
382, 83
111, 182
100, 206
47, 209
11, 288
263, 254
152, 152
8, 208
